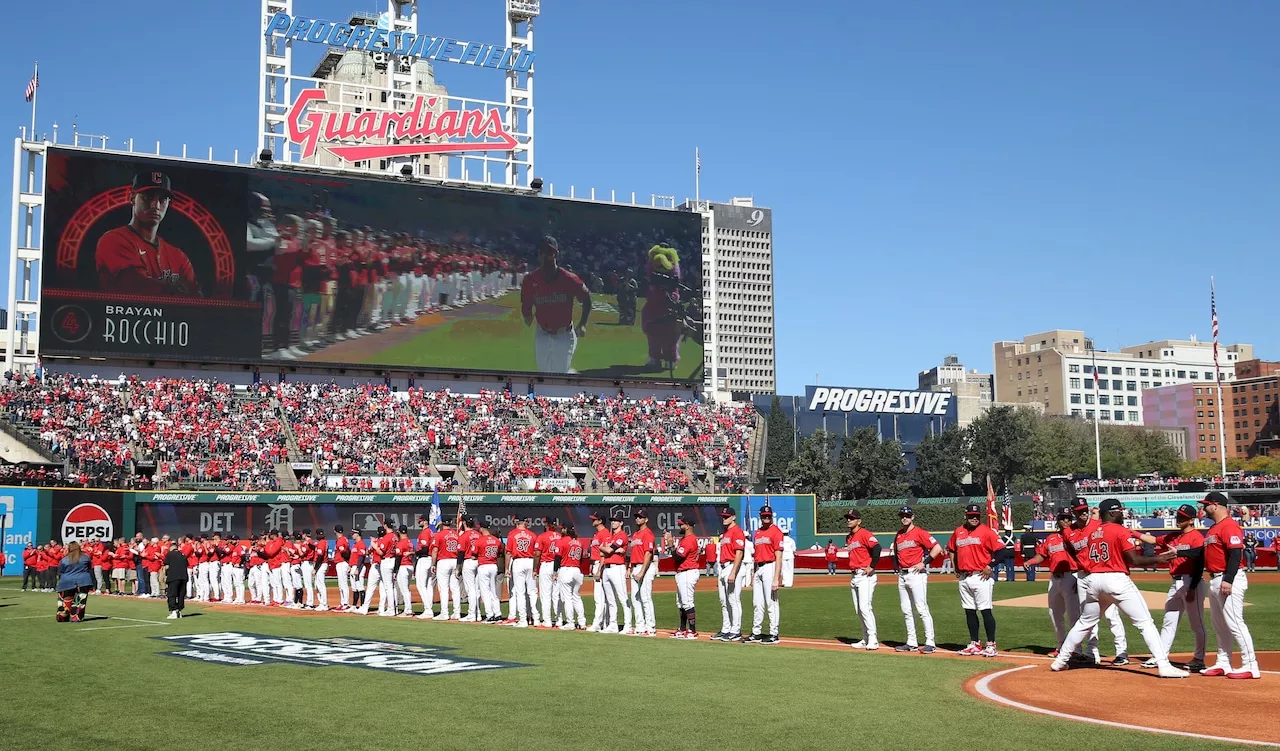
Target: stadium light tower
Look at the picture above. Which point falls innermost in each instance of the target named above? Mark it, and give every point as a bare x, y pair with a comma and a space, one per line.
519, 167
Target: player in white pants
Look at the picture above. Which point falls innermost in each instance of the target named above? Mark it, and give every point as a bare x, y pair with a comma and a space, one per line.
342, 567
471, 582
322, 558
1223, 551
307, 569
1111, 553
733, 577
913, 548
387, 585
644, 568
488, 547
547, 589
1186, 572
767, 579
424, 575
569, 579
373, 576
685, 555
445, 563
547, 296
614, 574
864, 553
241, 559
601, 617
521, 551
403, 563
1064, 602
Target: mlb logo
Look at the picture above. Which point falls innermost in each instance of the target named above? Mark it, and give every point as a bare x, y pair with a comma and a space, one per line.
367, 522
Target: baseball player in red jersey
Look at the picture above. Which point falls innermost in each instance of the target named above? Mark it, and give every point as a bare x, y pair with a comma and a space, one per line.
1223, 551
644, 567
1064, 603
614, 573
488, 547
132, 259
913, 548
1110, 551
685, 553
767, 580
320, 558
547, 295
864, 552
520, 554
356, 566
375, 551
445, 561
470, 587
546, 572
569, 555
404, 560
387, 579
307, 568
974, 549
1077, 536
423, 574
733, 576
1187, 589
603, 616
342, 566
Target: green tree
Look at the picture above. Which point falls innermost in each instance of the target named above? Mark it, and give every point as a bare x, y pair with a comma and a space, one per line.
941, 464
1063, 446
1002, 444
811, 470
869, 467
780, 448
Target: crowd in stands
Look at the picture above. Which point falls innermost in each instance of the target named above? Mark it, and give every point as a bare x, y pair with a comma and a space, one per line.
1171, 484
167, 433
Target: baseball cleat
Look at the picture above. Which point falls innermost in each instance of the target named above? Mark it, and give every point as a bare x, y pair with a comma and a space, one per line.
906, 648
928, 649
717, 636
873, 646
1121, 659
1057, 666
678, 634
1245, 674
770, 639
593, 628
1151, 664
1053, 653
1195, 665
751, 639
1213, 672
971, 650
990, 650
858, 645
693, 636
1167, 670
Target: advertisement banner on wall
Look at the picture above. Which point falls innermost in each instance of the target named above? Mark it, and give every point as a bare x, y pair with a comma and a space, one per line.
80, 515
20, 509
154, 519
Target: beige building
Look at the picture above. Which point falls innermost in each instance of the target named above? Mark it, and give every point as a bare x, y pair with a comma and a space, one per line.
1055, 369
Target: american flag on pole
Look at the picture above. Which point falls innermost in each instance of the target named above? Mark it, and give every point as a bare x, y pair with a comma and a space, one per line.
1213, 311
1006, 510
32, 85
697, 159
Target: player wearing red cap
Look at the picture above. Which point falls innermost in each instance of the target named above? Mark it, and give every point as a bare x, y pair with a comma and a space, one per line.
767, 580
864, 552
404, 561
975, 548
357, 563
614, 559
1064, 603
1077, 538
602, 616
733, 576
1187, 590
307, 568
569, 554
387, 578
644, 567
913, 548
685, 553
1223, 551
488, 549
1111, 552
444, 558
423, 575
342, 566
520, 555
544, 546
134, 258
467, 535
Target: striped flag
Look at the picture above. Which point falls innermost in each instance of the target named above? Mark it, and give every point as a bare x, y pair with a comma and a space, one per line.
434, 520
1006, 510
697, 160
32, 85
1213, 312
992, 516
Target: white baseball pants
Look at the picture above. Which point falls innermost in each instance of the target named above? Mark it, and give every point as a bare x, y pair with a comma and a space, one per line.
975, 592
425, 580
307, 570
371, 585
913, 597
554, 352
447, 583
731, 598
603, 615
1064, 605
322, 587
523, 590
1228, 621
487, 582
1175, 603
765, 598
226, 573
615, 594
547, 590
642, 597
342, 570
387, 586
402, 587
276, 577
862, 588
192, 575
1112, 616
569, 581
1101, 591
471, 587
686, 585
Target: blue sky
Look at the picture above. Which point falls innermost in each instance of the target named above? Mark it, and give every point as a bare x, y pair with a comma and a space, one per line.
943, 173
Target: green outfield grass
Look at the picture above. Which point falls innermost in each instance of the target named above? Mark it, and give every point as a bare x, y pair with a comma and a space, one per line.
505, 343
109, 687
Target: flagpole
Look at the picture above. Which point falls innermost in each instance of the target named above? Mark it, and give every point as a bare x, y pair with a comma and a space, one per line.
1097, 439
697, 175
1217, 372
34, 93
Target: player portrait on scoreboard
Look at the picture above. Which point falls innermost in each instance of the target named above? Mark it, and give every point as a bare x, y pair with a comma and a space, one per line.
377, 272
145, 256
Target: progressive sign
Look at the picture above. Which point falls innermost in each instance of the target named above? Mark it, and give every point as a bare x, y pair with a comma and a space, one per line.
878, 401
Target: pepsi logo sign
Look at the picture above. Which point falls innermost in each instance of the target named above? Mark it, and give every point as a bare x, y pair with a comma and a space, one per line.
85, 522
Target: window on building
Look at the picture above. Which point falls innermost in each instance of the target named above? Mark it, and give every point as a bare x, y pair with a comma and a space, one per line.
1199, 391
1131, 385
1039, 372
1104, 415
1199, 402
1194, 375
1088, 383
1199, 426
1155, 385
1088, 368
1145, 385
1130, 371
1119, 415
1075, 383
1144, 372
1075, 398
1133, 401
1182, 374
1075, 413
1088, 413
1104, 399
1202, 439
1090, 399
1200, 413
1115, 370
1133, 416
1073, 368
1208, 376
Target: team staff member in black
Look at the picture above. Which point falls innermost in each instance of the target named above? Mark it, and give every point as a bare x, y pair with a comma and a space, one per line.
1028, 543
176, 585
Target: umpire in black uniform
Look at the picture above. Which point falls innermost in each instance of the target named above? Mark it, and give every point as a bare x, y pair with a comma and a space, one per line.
176, 581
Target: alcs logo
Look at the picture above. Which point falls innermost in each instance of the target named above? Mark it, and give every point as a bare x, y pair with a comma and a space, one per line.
85, 522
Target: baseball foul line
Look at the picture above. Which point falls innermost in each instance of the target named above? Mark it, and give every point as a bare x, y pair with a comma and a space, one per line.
983, 687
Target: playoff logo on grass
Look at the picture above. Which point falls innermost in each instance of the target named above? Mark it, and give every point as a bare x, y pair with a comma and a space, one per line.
238, 649
85, 522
